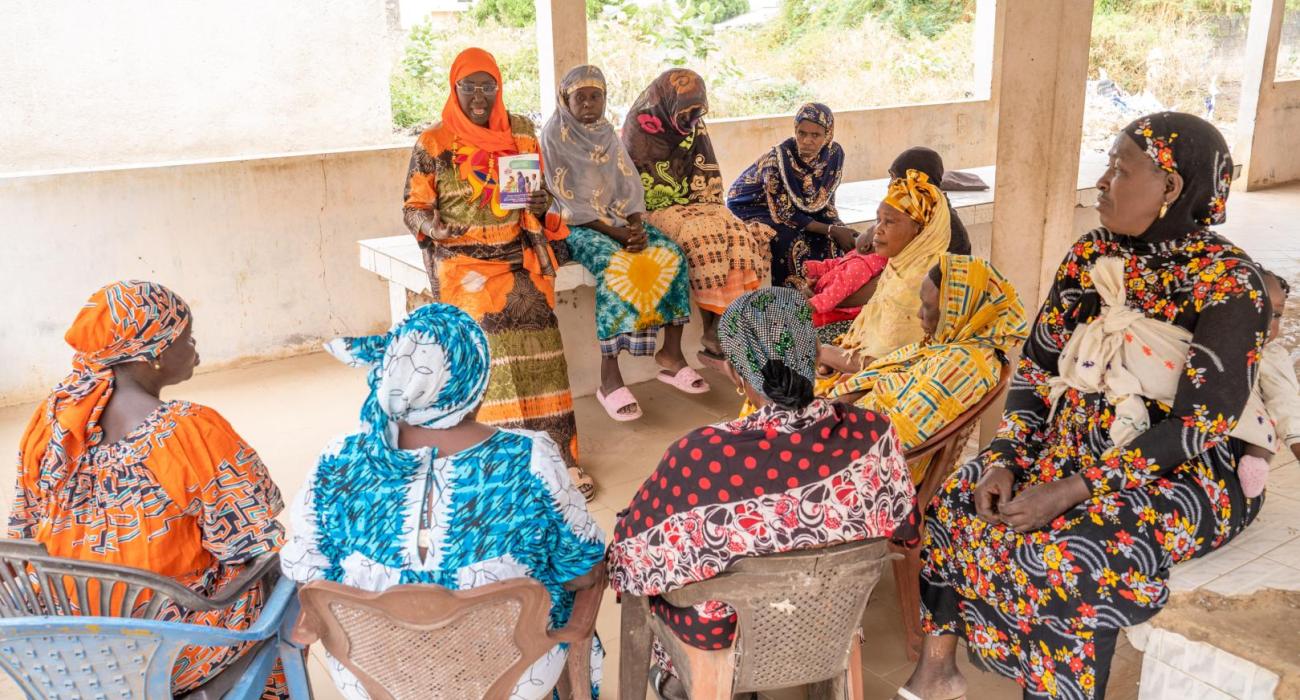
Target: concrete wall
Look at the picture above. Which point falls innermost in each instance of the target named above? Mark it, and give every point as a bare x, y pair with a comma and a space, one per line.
962, 132
112, 82
264, 250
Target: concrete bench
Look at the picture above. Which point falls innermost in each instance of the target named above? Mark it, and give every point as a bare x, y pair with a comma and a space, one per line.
397, 259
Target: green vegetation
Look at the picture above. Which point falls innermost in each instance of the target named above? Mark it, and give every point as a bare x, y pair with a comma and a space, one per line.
847, 53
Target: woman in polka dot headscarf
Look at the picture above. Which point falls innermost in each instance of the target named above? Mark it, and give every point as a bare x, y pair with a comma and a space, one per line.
799, 472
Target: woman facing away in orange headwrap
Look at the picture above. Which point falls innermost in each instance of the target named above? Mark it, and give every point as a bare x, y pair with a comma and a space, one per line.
109, 472
496, 264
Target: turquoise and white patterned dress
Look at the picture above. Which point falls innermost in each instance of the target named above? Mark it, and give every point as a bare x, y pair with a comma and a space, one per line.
504, 508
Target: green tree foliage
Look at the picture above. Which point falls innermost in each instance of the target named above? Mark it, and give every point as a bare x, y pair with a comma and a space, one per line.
908, 18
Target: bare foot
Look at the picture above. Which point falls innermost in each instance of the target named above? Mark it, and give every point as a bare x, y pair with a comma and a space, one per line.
670, 361
936, 684
936, 676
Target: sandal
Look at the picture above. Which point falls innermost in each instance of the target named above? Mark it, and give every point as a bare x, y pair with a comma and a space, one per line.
906, 694
712, 360
618, 400
583, 482
666, 686
686, 380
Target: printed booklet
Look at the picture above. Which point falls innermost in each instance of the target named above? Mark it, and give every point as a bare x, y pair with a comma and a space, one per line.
519, 176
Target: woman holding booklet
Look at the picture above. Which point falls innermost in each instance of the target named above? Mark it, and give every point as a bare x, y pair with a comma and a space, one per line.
494, 263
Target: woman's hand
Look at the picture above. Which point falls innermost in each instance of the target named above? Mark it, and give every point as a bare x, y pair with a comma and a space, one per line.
1035, 507
637, 238
804, 289
843, 236
839, 359
538, 202
994, 489
850, 398
865, 242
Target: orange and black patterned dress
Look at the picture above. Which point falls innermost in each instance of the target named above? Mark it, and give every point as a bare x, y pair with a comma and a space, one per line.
482, 259
181, 495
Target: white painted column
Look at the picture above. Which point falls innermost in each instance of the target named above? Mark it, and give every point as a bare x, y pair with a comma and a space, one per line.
1040, 95
986, 21
1254, 116
561, 44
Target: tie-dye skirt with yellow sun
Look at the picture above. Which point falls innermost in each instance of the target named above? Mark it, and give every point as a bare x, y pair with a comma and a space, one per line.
636, 293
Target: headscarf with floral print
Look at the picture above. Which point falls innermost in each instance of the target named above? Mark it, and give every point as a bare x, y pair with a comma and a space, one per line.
1193, 148
665, 135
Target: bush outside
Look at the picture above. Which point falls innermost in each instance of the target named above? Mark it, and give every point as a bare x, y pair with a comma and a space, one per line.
1174, 54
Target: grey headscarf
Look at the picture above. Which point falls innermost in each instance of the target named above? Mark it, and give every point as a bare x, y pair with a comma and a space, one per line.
587, 167
768, 337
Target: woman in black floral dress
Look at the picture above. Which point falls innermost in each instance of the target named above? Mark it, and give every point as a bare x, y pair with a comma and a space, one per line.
1041, 549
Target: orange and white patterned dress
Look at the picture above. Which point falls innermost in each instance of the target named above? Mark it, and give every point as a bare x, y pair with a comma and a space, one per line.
181, 495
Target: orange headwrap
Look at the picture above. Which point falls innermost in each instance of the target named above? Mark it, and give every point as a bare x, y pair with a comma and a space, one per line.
496, 138
122, 322
914, 195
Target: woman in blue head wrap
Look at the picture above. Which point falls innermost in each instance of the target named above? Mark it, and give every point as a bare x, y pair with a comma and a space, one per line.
423, 493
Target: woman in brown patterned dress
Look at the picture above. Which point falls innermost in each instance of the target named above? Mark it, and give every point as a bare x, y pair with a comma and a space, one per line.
665, 135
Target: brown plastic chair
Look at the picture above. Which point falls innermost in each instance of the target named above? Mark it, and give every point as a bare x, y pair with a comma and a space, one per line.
944, 450
797, 613
420, 641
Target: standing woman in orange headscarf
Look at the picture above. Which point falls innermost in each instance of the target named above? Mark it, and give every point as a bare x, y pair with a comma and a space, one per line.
496, 264
109, 472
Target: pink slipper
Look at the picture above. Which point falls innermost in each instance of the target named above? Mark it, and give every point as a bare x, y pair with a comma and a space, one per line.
618, 400
687, 380
1252, 471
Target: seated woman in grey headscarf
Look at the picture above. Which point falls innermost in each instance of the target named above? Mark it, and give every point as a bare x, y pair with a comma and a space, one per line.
641, 275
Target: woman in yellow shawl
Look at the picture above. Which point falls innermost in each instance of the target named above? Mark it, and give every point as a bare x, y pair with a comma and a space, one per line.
972, 318
912, 229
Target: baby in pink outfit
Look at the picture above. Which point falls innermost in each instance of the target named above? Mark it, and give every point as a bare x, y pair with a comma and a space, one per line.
838, 280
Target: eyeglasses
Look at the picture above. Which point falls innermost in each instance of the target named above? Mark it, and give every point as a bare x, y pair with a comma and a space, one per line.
486, 90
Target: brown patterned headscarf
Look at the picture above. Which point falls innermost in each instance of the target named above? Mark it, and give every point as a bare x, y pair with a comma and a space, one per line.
665, 135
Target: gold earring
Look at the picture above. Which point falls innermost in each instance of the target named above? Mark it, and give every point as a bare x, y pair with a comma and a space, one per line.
740, 391
1164, 209
157, 366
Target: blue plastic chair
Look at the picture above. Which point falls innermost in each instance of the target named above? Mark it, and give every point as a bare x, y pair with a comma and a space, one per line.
53, 651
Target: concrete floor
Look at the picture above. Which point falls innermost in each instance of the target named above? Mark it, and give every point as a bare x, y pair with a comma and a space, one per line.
289, 409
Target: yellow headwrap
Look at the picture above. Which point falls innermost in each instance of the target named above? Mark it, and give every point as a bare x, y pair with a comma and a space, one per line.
888, 321
914, 195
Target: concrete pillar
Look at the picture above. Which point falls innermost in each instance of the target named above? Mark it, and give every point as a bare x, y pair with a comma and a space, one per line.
1259, 71
1040, 94
986, 35
561, 44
